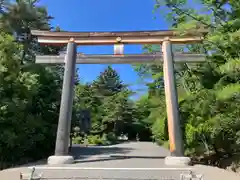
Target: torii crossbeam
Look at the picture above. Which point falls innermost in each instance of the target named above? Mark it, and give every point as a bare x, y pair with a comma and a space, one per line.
121, 59
166, 38
109, 38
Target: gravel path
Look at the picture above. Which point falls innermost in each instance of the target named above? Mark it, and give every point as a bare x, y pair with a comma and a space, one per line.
126, 155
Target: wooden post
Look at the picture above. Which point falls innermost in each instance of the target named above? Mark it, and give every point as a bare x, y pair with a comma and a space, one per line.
65, 115
174, 130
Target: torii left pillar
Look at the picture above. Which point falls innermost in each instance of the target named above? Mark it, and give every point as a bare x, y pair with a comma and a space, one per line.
61, 155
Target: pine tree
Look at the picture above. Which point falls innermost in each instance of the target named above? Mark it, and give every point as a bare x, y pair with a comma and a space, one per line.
114, 101
108, 83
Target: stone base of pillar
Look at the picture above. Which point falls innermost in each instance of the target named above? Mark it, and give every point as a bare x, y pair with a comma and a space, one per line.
58, 160
177, 161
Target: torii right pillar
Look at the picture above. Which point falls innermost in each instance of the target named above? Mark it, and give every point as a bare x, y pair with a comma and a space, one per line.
174, 130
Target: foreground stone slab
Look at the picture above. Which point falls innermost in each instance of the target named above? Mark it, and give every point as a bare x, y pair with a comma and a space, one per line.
58, 160
177, 161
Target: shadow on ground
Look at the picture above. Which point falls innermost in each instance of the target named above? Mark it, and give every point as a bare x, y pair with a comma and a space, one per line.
117, 157
137, 157
81, 152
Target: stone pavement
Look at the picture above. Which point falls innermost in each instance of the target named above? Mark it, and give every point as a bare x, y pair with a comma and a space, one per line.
126, 155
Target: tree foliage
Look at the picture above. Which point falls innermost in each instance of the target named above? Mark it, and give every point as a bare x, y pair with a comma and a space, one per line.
30, 94
113, 113
208, 92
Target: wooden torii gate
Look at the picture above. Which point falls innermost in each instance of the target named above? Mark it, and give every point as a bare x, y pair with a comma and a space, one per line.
118, 39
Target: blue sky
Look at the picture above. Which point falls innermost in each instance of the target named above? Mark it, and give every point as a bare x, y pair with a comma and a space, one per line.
105, 15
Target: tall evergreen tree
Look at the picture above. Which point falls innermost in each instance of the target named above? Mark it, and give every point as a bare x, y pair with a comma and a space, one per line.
113, 95
108, 83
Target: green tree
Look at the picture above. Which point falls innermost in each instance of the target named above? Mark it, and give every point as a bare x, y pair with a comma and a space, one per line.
17, 90
107, 99
117, 113
210, 106
141, 124
108, 83
86, 99
30, 93
113, 95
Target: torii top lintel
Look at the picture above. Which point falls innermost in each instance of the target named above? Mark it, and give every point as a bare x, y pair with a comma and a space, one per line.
124, 37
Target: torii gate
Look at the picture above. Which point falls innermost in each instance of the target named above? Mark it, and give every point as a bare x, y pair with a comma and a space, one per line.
72, 39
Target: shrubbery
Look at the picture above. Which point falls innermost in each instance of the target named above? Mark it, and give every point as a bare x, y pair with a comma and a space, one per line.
106, 139
27, 116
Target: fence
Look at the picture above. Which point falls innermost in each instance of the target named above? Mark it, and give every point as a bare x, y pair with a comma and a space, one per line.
91, 173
